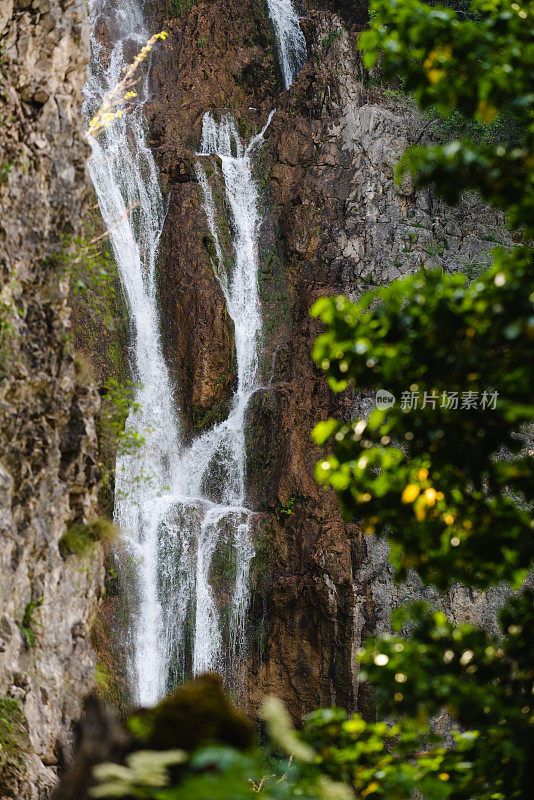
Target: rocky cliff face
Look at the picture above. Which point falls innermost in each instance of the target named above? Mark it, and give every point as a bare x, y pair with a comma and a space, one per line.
344, 226
48, 466
333, 221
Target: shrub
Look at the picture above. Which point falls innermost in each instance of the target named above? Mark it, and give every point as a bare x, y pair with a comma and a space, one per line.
81, 538
14, 745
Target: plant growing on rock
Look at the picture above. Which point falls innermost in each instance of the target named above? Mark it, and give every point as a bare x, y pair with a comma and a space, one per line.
14, 745
179, 8
28, 624
118, 404
100, 334
7, 313
81, 538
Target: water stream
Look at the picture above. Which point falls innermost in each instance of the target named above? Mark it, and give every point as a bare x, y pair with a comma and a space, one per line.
125, 178
289, 38
186, 543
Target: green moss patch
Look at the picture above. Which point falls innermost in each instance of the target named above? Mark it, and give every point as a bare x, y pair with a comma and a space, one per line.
196, 714
205, 418
80, 539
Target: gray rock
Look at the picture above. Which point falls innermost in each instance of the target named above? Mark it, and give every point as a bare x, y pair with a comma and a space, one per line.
48, 457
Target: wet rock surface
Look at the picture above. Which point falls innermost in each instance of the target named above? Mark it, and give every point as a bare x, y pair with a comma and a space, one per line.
333, 221
48, 457
218, 56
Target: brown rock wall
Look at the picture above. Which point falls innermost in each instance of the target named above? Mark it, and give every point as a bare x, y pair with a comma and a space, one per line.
333, 221
198, 333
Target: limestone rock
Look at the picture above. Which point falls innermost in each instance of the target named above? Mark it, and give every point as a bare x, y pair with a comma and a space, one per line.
48, 457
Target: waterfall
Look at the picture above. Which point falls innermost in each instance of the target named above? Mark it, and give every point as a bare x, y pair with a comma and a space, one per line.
125, 179
181, 509
289, 37
213, 468
207, 528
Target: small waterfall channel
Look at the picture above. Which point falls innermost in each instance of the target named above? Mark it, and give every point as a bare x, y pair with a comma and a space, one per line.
185, 527
208, 525
125, 178
289, 37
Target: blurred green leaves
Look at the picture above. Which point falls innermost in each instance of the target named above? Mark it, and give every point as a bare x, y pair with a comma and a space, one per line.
479, 65
437, 480
450, 487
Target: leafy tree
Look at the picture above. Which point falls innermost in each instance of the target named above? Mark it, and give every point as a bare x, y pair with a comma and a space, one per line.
446, 495
450, 487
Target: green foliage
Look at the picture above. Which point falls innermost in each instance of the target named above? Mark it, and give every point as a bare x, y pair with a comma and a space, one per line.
286, 509
117, 435
116, 406
14, 745
7, 329
332, 754
483, 682
8, 316
217, 770
28, 624
108, 634
504, 130
144, 769
5, 169
450, 487
92, 275
331, 39
213, 757
432, 335
204, 418
100, 317
100, 333
177, 8
81, 538
379, 760
104, 684
479, 68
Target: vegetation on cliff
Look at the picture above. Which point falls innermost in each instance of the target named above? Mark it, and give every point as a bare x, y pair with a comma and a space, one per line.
442, 473
14, 745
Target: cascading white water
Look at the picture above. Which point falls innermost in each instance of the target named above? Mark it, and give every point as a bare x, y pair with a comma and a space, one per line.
213, 468
206, 530
181, 510
289, 37
125, 179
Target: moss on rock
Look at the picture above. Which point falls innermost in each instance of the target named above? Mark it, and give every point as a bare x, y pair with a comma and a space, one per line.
80, 538
197, 714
